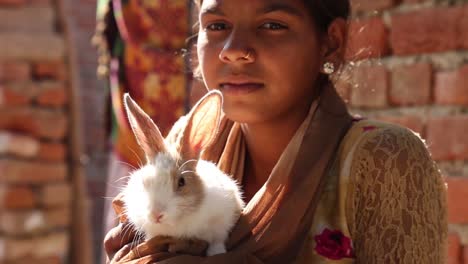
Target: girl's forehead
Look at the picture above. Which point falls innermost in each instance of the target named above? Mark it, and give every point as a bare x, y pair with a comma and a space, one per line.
256, 6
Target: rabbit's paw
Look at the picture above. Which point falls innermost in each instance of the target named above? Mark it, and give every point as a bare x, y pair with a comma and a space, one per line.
216, 248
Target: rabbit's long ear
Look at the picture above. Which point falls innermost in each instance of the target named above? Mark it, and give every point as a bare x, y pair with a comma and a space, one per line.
202, 125
145, 130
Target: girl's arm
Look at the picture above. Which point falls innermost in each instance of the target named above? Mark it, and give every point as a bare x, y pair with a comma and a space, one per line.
397, 203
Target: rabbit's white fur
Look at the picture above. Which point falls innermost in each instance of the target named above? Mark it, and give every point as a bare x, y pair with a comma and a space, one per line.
210, 221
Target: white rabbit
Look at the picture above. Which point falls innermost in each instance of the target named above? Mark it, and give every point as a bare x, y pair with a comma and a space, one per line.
176, 193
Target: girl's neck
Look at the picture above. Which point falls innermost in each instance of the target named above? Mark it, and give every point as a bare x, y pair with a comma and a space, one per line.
265, 142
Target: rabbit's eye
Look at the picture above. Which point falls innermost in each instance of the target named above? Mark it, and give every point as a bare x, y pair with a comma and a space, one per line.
181, 182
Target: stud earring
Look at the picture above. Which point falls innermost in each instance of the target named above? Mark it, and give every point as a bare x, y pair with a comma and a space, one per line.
247, 56
328, 67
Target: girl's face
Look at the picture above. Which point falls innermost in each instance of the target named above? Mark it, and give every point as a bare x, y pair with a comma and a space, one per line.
263, 55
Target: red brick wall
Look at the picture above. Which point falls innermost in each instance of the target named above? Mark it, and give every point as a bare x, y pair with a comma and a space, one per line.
410, 66
35, 183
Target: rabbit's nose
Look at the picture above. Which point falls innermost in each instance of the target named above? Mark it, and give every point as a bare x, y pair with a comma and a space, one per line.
157, 216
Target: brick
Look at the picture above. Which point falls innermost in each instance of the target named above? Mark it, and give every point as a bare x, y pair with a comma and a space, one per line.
50, 124
456, 193
52, 94
454, 249
463, 29
50, 70
343, 86
367, 38
436, 31
411, 84
58, 194
18, 46
59, 217
17, 197
31, 222
52, 152
54, 244
31, 172
18, 119
414, 1
46, 93
358, 6
451, 88
461, 231
21, 223
415, 123
465, 254
18, 145
11, 249
12, 3
447, 138
15, 71
16, 94
44, 260
40, 2
28, 19
370, 87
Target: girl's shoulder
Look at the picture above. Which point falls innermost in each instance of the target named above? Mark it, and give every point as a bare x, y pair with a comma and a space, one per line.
388, 175
374, 127
372, 135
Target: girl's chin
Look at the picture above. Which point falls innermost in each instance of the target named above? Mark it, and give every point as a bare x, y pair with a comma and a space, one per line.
242, 115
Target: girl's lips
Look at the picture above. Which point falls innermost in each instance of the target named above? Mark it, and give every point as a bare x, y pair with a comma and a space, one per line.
240, 88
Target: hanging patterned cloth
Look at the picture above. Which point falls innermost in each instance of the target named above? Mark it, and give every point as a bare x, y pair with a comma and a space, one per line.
140, 44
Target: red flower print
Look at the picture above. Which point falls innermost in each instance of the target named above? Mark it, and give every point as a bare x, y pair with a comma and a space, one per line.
358, 118
368, 128
333, 244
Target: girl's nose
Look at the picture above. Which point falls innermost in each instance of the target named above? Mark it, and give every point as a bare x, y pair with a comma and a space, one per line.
237, 49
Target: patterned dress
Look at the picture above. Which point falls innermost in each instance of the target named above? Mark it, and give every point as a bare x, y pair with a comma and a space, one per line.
385, 194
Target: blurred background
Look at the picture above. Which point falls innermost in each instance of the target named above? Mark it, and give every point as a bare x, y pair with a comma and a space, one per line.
407, 63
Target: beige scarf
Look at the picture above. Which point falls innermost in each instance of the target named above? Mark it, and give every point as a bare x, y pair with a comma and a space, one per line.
275, 223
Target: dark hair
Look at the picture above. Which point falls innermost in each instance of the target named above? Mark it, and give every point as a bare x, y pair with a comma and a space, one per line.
323, 12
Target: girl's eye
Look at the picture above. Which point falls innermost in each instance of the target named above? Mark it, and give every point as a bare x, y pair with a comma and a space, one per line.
273, 26
181, 182
216, 27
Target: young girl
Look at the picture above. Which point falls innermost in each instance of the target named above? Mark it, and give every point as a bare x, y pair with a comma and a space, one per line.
321, 187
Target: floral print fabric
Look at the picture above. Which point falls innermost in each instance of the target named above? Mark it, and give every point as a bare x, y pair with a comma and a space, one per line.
386, 194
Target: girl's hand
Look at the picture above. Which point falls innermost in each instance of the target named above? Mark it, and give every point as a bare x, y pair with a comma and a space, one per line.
118, 241
120, 245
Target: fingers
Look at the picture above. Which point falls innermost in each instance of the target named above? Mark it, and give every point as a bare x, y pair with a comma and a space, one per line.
117, 238
119, 247
158, 243
173, 245
121, 253
191, 247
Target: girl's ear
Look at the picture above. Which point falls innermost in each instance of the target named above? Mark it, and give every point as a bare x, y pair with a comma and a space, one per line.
202, 125
335, 42
145, 130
